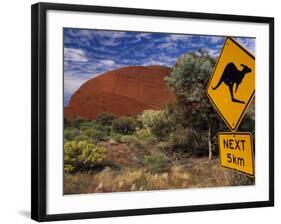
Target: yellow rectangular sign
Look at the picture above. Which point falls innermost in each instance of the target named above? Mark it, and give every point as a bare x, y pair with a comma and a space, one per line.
236, 151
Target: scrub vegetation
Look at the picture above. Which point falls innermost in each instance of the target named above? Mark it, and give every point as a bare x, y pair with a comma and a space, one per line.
172, 148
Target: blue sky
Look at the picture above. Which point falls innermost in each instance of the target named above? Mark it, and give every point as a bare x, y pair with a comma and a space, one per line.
89, 53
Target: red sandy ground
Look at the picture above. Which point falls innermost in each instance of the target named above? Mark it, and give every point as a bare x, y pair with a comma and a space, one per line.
125, 91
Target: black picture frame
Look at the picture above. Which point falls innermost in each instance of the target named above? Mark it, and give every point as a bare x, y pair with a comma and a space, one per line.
39, 114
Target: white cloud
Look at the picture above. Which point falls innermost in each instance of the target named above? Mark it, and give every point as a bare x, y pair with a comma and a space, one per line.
138, 37
178, 37
76, 55
110, 38
107, 62
215, 40
168, 60
214, 52
110, 34
153, 62
73, 81
198, 45
168, 46
149, 62
248, 43
82, 35
144, 35
85, 33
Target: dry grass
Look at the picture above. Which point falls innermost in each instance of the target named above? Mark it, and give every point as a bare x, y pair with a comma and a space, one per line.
195, 173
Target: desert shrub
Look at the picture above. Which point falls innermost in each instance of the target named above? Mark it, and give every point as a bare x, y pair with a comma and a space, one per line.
105, 128
133, 141
94, 134
189, 76
124, 125
189, 140
193, 110
128, 138
82, 155
248, 124
66, 122
156, 121
70, 134
105, 118
86, 125
183, 138
116, 136
82, 138
76, 122
155, 162
138, 144
164, 145
144, 135
148, 117
139, 124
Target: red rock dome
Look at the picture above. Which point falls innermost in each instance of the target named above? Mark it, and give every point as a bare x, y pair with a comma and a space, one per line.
124, 92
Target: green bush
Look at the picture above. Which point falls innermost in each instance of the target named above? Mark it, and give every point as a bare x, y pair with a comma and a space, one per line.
183, 138
189, 76
82, 138
116, 136
155, 162
132, 141
76, 122
86, 125
148, 117
124, 125
105, 128
95, 135
144, 135
156, 121
192, 113
248, 124
164, 146
105, 118
128, 138
189, 140
82, 155
70, 134
66, 122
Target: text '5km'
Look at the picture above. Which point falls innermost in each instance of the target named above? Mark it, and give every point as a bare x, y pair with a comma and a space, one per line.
236, 151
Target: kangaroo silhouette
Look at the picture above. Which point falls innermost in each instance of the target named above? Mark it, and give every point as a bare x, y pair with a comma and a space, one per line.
230, 76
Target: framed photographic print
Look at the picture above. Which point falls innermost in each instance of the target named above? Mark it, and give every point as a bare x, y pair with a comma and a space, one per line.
138, 111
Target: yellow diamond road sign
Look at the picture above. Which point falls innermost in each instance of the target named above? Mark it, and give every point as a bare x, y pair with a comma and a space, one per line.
231, 88
236, 151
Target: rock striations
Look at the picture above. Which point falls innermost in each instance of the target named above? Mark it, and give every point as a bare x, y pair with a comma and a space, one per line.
124, 92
